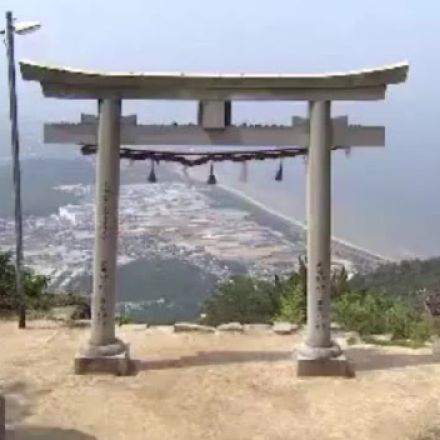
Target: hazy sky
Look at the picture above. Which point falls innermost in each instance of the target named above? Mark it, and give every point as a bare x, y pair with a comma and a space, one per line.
231, 35
401, 182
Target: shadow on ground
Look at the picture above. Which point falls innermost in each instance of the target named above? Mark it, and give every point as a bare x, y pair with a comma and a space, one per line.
18, 406
366, 359
46, 433
213, 358
362, 359
19, 401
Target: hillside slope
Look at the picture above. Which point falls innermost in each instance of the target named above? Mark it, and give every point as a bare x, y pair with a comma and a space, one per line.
403, 279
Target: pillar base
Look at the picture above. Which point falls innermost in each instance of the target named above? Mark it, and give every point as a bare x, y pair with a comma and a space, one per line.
323, 361
99, 359
334, 367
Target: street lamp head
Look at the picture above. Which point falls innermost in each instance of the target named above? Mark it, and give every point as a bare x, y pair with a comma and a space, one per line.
26, 27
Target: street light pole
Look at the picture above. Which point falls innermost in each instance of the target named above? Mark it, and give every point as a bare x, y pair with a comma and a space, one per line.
20, 293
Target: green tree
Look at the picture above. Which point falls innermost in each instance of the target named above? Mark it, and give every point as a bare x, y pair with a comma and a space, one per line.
7, 281
34, 286
339, 282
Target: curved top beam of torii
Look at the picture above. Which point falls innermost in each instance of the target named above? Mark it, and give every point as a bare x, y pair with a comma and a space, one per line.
63, 82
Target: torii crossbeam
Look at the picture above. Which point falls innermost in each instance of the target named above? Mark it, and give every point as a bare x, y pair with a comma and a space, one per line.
319, 355
343, 134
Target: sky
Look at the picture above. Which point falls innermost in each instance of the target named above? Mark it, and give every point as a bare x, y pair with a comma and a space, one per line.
386, 199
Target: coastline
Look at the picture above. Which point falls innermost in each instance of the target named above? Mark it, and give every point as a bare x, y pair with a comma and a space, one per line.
291, 220
298, 223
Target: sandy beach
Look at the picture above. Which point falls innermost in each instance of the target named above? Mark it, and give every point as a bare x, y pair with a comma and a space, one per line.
246, 193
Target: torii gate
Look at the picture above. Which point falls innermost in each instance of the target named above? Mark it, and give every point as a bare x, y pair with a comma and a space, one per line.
318, 355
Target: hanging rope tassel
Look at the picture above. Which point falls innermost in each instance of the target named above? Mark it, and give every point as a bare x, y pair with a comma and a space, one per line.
211, 179
279, 174
152, 176
185, 172
244, 172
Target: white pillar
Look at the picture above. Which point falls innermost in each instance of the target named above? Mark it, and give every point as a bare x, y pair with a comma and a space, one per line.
318, 343
318, 217
104, 352
106, 223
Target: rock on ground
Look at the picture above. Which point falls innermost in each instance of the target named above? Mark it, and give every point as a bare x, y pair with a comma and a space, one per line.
346, 339
180, 327
284, 328
335, 326
62, 313
231, 327
382, 338
257, 328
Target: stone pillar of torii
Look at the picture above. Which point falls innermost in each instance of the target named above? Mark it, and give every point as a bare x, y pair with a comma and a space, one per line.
318, 355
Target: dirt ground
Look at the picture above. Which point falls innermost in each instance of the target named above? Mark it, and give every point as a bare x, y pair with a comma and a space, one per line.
189, 387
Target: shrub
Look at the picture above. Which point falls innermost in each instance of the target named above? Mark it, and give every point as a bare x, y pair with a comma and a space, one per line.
362, 312
422, 330
245, 300
242, 299
369, 313
293, 304
400, 320
35, 287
